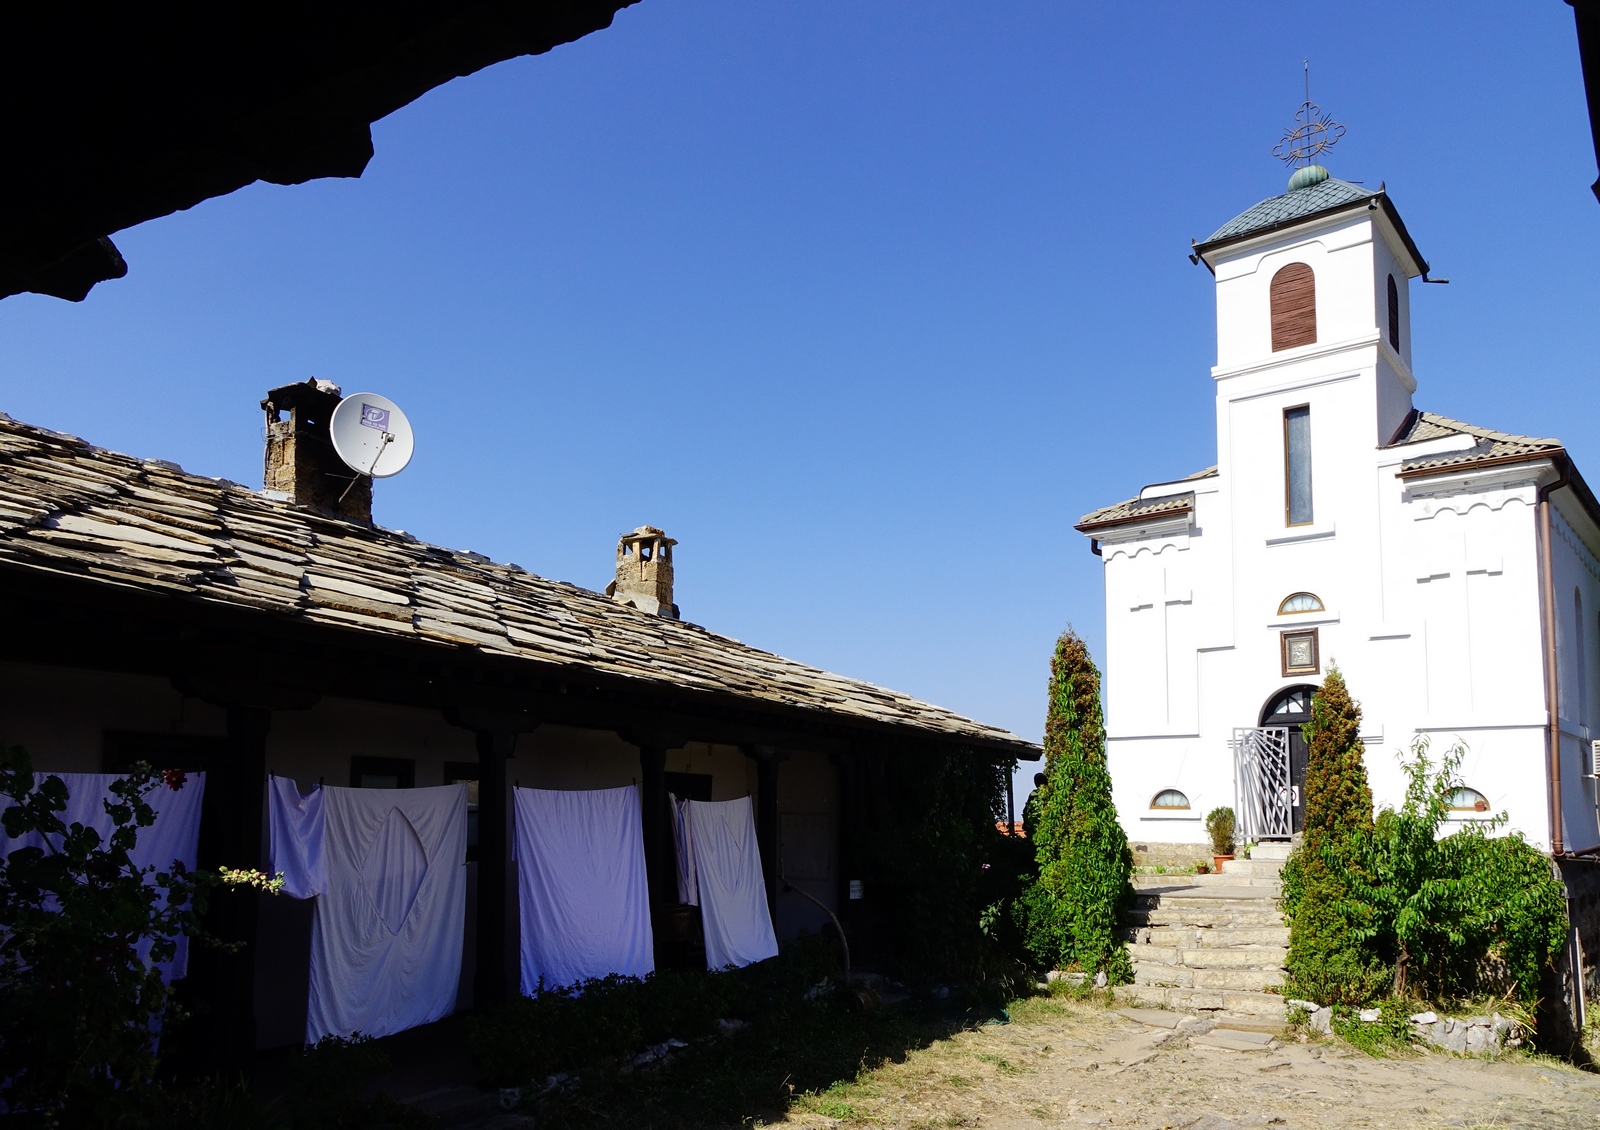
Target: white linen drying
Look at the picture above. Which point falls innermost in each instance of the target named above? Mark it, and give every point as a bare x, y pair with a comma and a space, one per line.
175, 835
388, 870
733, 895
688, 889
583, 896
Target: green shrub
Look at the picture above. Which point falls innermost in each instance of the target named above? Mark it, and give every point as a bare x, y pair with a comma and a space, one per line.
1070, 913
1219, 826
1387, 906
607, 1018
1471, 914
81, 931
1327, 962
933, 860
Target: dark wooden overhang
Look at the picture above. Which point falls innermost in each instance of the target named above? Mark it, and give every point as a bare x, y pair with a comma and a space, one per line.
1586, 14
120, 113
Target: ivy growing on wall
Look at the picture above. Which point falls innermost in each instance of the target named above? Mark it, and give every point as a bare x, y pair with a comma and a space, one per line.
1071, 911
933, 860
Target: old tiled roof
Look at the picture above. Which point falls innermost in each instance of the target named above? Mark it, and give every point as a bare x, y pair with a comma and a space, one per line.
71, 509
1294, 205
1137, 510
1490, 446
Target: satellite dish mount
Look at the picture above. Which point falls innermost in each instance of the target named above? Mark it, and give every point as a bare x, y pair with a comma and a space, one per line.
372, 436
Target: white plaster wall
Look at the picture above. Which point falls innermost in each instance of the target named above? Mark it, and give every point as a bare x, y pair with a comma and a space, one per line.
60, 715
808, 842
1431, 590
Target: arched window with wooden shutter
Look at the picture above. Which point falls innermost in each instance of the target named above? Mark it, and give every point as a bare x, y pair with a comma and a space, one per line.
1294, 307
1394, 315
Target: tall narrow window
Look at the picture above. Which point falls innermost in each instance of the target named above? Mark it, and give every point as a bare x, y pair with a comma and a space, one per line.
1294, 307
1297, 464
1394, 315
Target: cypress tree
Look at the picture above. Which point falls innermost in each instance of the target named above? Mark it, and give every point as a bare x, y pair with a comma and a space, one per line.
1326, 963
1072, 910
1338, 798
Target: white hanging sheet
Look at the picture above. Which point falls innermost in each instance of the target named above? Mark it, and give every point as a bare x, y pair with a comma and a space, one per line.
175, 835
297, 825
584, 900
388, 869
733, 896
688, 888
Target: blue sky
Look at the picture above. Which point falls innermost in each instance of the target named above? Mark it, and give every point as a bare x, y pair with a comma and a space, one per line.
865, 303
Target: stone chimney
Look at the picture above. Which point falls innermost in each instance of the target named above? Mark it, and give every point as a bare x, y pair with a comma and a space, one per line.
644, 572
301, 463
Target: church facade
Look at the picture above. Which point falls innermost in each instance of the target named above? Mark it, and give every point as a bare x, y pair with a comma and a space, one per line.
1451, 572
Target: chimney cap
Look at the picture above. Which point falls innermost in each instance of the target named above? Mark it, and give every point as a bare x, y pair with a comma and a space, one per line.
312, 392
648, 533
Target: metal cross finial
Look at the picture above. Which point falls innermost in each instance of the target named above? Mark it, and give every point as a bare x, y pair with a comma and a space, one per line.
1312, 132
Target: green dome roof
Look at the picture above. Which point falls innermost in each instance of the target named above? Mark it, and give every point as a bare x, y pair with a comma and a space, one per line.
1307, 176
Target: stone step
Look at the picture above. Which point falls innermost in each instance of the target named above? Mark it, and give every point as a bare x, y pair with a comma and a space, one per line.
1237, 957
1145, 883
1182, 976
1206, 1002
1179, 917
1217, 895
1207, 937
1251, 868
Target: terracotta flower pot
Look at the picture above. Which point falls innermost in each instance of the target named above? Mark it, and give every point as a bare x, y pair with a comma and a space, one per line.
1219, 860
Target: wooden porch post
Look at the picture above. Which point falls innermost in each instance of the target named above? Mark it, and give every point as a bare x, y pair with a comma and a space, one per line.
495, 750
660, 864
767, 759
496, 732
223, 984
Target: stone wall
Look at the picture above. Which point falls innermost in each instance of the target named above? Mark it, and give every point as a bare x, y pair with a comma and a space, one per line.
1148, 853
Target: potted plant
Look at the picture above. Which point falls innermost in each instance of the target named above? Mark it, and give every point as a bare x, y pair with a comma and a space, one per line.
1219, 826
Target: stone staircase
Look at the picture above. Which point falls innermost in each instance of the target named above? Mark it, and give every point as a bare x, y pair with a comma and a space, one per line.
1209, 943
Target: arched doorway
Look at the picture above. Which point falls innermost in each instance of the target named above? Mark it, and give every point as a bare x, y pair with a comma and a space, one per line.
1291, 707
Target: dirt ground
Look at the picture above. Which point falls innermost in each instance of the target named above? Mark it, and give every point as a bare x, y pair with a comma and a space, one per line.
1084, 1064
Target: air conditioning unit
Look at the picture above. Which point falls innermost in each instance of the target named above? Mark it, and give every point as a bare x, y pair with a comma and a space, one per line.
1594, 758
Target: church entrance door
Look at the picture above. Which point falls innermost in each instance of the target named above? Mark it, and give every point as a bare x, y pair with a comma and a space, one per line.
1291, 707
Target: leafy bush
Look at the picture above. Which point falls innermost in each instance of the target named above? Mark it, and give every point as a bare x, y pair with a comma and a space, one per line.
1470, 914
1387, 906
1071, 912
327, 1085
1219, 826
81, 932
933, 860
1327, 962
566, 1029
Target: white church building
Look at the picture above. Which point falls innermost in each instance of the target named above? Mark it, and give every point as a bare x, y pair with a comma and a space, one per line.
1450, 571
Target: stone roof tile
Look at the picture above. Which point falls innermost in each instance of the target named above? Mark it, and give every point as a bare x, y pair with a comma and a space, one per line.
1139, 509
1294, 205
69, 508
1491, 446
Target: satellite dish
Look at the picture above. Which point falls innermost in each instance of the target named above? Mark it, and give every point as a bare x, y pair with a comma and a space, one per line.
371, 435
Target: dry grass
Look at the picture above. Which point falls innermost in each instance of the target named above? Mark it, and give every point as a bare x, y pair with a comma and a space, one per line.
1080, 1062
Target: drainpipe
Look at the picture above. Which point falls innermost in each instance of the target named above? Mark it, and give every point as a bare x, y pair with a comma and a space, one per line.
1551, 689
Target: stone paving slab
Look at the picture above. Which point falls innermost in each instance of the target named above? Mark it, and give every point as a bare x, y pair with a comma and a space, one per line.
1233, 1041
1155, 1017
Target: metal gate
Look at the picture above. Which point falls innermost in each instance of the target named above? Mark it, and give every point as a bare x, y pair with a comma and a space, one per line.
1263, 792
